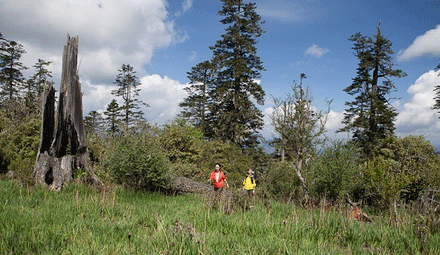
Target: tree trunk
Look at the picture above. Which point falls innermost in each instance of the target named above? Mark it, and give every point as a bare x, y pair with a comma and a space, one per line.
63, 151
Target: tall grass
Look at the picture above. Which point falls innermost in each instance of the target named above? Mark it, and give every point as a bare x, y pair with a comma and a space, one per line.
79, 220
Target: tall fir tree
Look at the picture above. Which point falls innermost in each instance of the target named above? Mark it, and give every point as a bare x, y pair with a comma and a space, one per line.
93, 122
11, 76
234, 116
370, 117
112, 117
437, 94
196, 105
35, 86
128, 88
41, 75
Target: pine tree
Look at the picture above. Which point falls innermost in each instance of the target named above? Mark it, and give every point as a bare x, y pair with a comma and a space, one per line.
93, 122
34, 87
371, 116
196, 105
41, 76
11, 76
234, 115
437, 94
113, 117
128, 88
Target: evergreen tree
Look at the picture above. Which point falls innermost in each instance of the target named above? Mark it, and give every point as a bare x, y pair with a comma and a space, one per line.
371, 116
34, 87
195, 106
128, 84
437, 94
113, 117
93, 122
11, 76
41, 76
234, 115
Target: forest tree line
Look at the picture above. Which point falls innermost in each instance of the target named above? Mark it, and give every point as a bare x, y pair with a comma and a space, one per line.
220, 122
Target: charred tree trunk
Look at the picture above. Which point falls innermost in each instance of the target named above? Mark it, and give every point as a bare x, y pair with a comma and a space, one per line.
63, 151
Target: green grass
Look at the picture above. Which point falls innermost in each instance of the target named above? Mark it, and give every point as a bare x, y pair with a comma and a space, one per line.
79, 220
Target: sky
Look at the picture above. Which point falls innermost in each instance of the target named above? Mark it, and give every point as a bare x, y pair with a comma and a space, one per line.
163, 39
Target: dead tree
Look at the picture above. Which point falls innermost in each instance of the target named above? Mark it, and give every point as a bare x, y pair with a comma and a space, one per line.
63, 151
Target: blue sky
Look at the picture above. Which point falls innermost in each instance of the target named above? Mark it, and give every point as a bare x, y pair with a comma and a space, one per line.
164, 39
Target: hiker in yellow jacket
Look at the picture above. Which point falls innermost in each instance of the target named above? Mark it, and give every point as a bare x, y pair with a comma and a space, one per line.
249, 183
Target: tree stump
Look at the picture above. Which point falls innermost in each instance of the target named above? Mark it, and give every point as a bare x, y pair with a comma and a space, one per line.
62, 152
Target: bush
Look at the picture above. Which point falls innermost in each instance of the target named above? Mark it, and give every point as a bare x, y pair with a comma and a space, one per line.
281, 182
137, 161
19, 148
337, 172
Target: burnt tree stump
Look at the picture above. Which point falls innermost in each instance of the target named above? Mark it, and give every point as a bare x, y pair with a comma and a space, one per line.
63, 150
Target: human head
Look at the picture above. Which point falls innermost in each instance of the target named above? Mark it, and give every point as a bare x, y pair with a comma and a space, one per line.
217, 167
249, 171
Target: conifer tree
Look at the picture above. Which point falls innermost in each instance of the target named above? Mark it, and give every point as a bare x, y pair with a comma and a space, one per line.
437, 94
234, 116
128, 88
93, 122
196, 105
370, 116
113, 117
11, 76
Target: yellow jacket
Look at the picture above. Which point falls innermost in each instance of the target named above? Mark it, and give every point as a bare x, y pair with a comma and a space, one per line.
248, 183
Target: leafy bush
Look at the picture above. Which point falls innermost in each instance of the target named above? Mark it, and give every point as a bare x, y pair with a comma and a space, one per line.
281, 181
402, 168
336, 172
19, 148
137, 161
182, 142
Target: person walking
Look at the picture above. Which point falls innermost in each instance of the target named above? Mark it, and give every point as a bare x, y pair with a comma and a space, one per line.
249, 183
218, 178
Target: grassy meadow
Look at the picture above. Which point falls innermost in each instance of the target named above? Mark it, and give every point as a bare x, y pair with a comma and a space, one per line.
80, 220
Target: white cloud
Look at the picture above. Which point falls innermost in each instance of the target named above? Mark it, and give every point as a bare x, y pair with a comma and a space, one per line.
417, 116
110, 33
163, 94
192, 56
283, 10
315, 51
187, 4
424, 45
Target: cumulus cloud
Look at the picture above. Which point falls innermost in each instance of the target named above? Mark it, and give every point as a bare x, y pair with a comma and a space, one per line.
424, 45
111, 32
417, 116
315, 51
163, 94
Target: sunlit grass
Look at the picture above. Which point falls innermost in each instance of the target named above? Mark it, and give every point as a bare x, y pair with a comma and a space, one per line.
80, 220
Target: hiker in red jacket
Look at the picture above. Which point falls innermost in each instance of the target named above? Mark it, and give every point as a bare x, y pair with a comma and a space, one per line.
219, 178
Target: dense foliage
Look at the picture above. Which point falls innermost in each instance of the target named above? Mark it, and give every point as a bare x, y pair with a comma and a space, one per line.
137, 161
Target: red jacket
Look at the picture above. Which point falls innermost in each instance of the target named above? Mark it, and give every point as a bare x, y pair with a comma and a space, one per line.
221, 179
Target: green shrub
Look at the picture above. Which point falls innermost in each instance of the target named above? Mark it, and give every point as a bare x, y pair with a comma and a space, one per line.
336, 172
281, 181
19, 148
182, 143
137, 161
